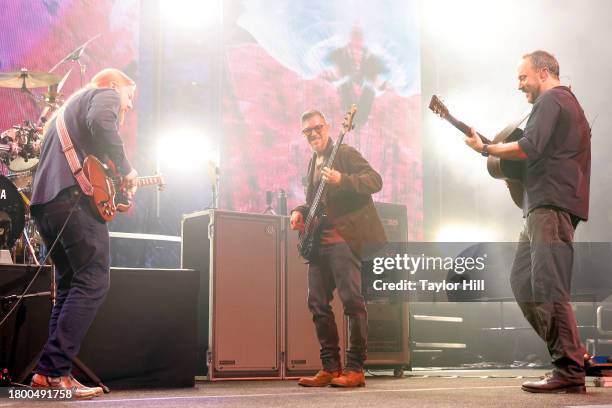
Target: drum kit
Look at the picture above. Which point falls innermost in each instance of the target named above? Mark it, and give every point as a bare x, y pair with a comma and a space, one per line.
20, 148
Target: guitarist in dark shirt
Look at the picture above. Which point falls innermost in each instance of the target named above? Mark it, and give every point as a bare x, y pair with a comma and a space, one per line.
81, 254
556, 147
351, 226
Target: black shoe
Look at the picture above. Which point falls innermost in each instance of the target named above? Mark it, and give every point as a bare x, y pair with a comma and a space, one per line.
555, 384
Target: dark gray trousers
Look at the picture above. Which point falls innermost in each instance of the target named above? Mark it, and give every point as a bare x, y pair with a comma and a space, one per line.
337, 267
541, 281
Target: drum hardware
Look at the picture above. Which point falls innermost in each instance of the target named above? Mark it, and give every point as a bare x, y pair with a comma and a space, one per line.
12, 214
25, 79
29, 247
22, 180
30, 238
53, 99
20, 147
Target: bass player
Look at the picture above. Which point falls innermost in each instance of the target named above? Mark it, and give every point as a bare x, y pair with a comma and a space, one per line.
350, 224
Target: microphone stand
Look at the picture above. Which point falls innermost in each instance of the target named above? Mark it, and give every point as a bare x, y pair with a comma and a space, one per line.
76, 56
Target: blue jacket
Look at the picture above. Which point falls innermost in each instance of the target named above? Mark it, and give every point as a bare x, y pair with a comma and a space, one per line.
92, 119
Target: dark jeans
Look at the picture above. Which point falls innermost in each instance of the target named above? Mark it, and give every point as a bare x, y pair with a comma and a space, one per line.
81, 259
337, 267
541, 281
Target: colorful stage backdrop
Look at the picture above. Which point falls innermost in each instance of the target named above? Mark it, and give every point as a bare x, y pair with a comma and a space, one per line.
285, 57
37, 34
280, 58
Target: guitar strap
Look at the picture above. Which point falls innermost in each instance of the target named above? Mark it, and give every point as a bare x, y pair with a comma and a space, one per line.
510, 128
70, 153
569, 90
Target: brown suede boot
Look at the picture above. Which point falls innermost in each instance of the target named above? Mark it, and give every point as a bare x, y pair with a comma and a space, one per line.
322, 379
349, 379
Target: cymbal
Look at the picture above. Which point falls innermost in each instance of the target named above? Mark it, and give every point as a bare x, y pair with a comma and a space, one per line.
27, 79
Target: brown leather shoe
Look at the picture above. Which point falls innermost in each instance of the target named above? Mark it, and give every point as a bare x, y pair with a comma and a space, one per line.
63, 383
99, 390
553, 385
349, 379
321, 379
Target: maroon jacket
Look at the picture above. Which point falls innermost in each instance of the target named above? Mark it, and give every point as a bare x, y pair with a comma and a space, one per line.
349, 205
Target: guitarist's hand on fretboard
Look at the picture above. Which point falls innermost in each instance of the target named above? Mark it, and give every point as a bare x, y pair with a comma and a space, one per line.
332, 176
474, 141
130, 185
297, 221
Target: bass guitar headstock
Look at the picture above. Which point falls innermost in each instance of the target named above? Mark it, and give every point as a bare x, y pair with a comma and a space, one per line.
347, 123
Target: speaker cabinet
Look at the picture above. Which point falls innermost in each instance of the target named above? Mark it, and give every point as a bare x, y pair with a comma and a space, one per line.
240, 303
388, 319
254, 320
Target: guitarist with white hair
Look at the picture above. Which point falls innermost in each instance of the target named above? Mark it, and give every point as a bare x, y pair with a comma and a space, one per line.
79, 240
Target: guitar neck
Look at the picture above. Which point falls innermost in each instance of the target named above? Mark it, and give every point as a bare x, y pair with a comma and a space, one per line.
315, 207
316, 202
148, 181
465, 129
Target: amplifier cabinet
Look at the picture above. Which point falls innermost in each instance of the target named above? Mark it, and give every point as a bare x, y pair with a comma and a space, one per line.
241, 305
388, 336
388, 318
254, 320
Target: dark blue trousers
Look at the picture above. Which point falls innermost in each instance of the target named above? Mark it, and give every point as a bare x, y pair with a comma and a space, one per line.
82, 269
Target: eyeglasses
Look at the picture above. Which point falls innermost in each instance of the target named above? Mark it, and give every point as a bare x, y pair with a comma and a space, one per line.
308, 131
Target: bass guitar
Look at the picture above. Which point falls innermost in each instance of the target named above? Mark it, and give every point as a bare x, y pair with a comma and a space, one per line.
511, 171
309, 238
108, 186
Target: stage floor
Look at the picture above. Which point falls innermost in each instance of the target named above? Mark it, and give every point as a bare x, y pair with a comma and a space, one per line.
418, 388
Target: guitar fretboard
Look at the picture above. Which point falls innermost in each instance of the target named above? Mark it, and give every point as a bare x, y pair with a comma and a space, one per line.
149, 180
465, 129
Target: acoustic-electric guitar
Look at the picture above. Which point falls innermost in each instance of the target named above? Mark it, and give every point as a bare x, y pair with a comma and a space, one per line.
512, 171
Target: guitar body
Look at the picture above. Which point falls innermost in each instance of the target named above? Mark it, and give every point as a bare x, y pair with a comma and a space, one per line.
308, 244
107, 198
507, 169
102, 201
512, 171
